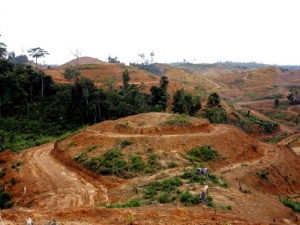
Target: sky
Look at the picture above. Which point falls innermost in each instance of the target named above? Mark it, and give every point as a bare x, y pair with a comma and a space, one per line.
199, 31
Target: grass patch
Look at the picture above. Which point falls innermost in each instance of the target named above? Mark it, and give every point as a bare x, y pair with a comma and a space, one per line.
124, 143
278, 139
172, 164
128, 204
179, 119
267, 126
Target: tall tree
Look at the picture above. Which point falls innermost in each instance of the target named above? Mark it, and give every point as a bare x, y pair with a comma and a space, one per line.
152, 56
126, 79
37, 53
160, 95
2, 50
184, 102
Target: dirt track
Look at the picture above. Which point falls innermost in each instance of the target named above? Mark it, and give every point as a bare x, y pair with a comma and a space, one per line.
57, 186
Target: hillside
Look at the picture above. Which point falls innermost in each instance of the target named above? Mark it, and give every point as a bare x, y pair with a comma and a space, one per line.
150, 160
65, 188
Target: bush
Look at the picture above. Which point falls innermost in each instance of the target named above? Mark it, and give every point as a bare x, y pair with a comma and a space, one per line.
152, 189
137, 163
125, 143
163, 197
4, 198
172, 164
202, 153
171, 184
193, 177
2, 173
188, 199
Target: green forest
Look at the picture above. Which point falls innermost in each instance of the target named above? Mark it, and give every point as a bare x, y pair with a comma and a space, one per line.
34, 109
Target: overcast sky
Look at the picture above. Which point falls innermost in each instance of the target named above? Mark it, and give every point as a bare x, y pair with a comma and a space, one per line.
266, 31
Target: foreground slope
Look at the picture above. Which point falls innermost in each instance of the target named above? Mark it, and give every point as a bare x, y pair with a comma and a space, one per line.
60, 187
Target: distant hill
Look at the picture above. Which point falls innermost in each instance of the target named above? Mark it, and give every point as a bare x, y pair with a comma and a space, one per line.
82, 61
223, 68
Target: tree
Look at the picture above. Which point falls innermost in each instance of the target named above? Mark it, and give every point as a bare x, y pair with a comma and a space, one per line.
113, 60
213, 111
37, 53
276, 103
160, 95
71, 73
184, 102
142, 55
2, 50
110, 82
77, 54
213, 100
20, 59
126, 79
152, 56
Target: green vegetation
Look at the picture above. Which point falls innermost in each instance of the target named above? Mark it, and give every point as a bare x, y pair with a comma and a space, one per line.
5, 198
17, 165
184, 102
172, 164
225, 207
295, 206
125, 143
200, 154
2, 172
114, 162
179, 119
278, 139
137, 164
130, 203
35, 110
189, 199
263, 175
214, 111
267, 126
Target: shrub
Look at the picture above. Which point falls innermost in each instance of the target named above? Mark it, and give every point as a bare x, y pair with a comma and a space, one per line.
170, 184
125, 143
2, 172
13, 181
225, 207
152, 189
4, 198
172, 164
193, 177
163, 197
263, 175
202, 153
137, 163
188, 199
210, 202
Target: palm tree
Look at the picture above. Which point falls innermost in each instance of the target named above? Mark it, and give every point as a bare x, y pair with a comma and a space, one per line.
37, 53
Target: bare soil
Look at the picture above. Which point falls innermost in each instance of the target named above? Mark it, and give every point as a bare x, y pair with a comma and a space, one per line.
58, 187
